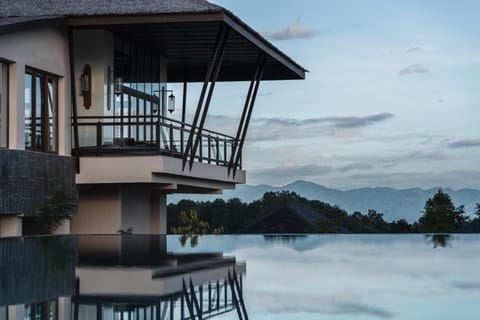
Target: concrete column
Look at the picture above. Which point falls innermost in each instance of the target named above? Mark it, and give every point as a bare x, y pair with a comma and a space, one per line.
64, 228
99, 212
158, 213
135, 210
16, 115
64, 308
16, 312
10, 226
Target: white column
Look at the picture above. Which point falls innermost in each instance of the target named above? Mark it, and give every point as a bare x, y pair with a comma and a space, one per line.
64, 308
64, 228
158, 213
16, 116
10, 226
16, 312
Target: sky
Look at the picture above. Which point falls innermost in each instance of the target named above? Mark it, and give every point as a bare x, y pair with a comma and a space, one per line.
391, 99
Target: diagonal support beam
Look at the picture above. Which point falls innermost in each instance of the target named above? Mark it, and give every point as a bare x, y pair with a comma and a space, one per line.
259, 74
244, 113
189, 151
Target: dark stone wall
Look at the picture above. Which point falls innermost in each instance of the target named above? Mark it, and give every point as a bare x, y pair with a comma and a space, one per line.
27, 178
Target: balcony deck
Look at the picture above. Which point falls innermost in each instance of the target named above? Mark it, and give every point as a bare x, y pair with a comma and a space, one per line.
150, 135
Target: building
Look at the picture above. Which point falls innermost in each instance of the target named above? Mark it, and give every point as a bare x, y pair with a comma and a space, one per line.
84, 101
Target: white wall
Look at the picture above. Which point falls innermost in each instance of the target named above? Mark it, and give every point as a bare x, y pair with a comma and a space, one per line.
47, 50
93, 47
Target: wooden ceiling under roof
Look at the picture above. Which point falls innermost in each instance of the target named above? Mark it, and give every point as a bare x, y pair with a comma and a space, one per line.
189, 42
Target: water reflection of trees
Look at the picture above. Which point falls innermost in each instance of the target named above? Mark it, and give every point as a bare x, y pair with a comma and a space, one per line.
442, 240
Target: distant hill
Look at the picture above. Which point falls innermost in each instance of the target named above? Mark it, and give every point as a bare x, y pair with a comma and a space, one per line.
393, 203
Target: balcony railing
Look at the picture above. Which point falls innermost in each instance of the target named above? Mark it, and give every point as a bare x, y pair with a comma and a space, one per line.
147, 135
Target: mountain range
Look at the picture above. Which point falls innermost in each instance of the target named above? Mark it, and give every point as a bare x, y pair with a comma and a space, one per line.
393, 203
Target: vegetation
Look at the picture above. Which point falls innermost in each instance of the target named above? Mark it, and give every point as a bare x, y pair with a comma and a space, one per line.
191, 227
440, 215
235, 216
60, 206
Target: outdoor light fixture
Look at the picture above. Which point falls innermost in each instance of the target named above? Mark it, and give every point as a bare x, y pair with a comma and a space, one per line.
86, 86
118, 85
171, 102
171, 99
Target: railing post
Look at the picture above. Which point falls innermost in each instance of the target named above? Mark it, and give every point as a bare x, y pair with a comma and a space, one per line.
182, 129
225, 151
171, 138
209, 149
217, 144
99, 138
157, 137
201, 148
233, 146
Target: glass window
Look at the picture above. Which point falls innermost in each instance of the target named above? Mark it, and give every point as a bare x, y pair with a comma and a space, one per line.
40, 111
3, 105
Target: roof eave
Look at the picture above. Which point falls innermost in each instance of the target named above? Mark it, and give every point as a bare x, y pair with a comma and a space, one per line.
220, 16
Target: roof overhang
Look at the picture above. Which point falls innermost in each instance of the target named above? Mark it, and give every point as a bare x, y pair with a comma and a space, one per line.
188, 41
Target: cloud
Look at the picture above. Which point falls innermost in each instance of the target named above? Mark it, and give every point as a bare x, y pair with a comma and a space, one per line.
296, 30
289, 172
414, 49
263, 129
356, 309
464, 143
337, 122
414, 68
466, 285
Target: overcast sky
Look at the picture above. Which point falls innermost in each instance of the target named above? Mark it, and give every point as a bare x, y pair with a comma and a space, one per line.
392, 97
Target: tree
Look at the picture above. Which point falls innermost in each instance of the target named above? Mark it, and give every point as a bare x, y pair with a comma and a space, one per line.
60, 206
477, 211
440, 215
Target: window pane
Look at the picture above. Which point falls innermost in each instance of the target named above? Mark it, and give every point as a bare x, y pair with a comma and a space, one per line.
3, 105
52, 115
28, 110
41, 112
39, 101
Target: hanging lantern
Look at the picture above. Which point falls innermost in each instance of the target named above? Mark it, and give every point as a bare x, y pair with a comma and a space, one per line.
118, 85
171, 103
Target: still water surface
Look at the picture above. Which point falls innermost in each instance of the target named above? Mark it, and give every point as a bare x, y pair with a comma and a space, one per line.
234, 277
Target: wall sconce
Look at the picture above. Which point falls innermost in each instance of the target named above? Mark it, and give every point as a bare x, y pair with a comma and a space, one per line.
86, 86
118, 86
171, 99
171, 102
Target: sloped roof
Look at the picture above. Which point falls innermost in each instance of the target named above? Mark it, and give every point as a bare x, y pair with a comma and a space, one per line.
35, 9
18, 14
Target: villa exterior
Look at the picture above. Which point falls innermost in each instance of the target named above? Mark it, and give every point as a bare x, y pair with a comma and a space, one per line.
84, 101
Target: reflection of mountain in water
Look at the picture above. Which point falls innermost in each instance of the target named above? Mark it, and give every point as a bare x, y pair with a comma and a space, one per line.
116, 277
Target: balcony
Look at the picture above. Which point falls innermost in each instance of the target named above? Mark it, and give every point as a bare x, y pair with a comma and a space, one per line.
141, 134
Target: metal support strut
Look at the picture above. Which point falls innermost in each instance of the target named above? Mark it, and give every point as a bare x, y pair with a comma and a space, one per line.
210, 79
246, 114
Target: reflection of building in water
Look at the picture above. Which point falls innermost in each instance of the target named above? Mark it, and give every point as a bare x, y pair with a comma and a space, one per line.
124, 278
134, 277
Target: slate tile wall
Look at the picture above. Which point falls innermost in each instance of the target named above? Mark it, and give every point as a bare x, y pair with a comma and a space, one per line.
27, 178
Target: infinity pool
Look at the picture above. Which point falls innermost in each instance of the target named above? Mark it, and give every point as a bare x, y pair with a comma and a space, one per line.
239, 277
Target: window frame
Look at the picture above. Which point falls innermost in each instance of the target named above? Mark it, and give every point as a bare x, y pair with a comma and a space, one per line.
6, 63
44, 122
